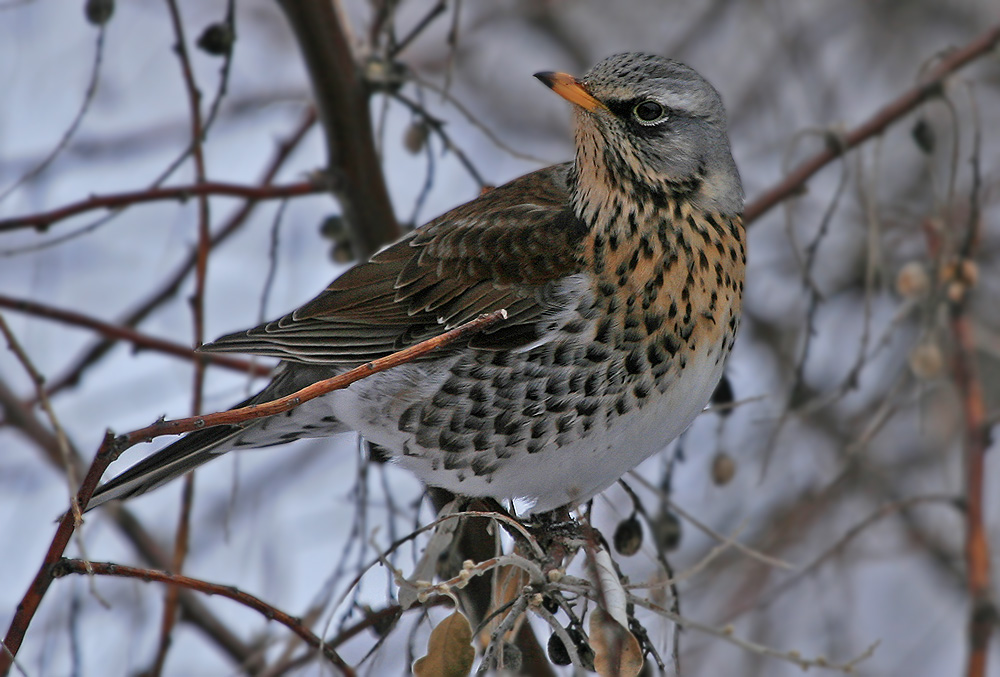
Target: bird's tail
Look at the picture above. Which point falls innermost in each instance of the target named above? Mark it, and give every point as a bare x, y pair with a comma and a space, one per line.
171, 462
201, 446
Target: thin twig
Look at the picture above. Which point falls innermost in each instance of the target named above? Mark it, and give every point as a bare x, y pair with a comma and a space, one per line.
139, 340
88, 98
64, 567
198, 320
929, 86
42, 220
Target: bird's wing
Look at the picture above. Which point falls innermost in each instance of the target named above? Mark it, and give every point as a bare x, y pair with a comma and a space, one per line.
507, 249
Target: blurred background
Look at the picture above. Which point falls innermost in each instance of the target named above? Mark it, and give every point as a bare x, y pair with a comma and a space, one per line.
841, 454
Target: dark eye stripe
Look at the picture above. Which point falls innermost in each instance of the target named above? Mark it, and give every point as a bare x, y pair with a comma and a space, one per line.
625, 108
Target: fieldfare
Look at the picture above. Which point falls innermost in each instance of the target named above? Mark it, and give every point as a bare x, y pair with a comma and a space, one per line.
621, 272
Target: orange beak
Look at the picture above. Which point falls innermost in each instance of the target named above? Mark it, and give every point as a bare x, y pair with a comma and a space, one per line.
571, 89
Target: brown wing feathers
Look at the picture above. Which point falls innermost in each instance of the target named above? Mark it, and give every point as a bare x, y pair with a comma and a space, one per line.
439, 276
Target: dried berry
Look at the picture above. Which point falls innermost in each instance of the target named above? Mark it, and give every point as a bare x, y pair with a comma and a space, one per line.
559, 655
723, 469
923, 136
416, 136
667, 530
98, 12
912, 281
628, 536
557, 651
723, 395
926, 361
217, 39
510, 659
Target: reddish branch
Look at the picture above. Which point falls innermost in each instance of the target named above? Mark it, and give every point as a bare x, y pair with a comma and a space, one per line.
43, 220
198, 324
64, 567
958, 279
983, 616
929, 86
113, 446
136, 338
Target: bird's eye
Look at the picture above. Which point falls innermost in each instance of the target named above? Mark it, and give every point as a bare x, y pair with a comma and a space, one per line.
649, 112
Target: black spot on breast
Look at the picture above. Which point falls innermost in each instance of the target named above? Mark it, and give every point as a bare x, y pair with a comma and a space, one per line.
450, 442
556, 385
631, 335
409, 418
563, 354
482, 466
477, 393
670, 344
533, 409
654, 355
646, 246
653, 321
604, 331
597, 352
565, 423
507, 423
557, 405
634, 362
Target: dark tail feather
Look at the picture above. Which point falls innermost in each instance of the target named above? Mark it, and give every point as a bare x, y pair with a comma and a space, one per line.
201, 446
171, 462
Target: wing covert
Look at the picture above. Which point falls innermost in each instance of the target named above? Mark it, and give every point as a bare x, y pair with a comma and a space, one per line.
505, 249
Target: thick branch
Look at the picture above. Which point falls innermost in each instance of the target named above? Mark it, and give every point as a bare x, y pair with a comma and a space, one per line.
342, 100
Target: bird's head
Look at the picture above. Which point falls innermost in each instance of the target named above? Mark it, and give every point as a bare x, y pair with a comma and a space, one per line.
646, 124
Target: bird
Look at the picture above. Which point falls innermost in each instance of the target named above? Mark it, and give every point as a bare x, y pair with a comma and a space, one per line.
621, 273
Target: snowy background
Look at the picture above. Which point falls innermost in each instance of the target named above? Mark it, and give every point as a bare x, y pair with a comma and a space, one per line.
812, 464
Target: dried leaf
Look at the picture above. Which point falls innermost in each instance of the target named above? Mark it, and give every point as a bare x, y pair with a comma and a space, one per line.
613, 595
616, 650
508, 583
440, 541
449, 650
